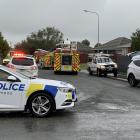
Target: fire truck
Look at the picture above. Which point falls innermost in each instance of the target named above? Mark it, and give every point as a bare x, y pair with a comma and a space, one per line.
44, 58
46, 61
66, 58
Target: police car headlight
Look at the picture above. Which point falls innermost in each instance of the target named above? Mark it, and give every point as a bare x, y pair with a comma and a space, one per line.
115, 65
64, 90
102, 67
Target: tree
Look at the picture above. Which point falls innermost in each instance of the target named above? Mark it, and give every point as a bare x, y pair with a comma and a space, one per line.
135, 40
43, 39
4, 46
86, 42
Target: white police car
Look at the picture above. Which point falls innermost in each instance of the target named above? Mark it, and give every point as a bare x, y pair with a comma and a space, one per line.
39, 96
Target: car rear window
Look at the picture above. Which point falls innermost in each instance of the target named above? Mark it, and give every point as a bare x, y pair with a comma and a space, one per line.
23, 61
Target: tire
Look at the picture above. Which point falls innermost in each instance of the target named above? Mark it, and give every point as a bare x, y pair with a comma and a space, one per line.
56, 72
98, 73
41, 105
105, 74
115, 74
132, 81
75, 73
90, 72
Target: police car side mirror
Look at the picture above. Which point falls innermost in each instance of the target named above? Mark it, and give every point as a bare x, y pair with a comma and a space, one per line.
11, 78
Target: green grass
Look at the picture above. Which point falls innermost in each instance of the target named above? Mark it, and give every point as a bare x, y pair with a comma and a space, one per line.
83, 66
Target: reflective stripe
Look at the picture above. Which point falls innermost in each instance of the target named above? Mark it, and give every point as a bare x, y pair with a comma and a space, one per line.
34, 87
51, 89
75, 62
57, 62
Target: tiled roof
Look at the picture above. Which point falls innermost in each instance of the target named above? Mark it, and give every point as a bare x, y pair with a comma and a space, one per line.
117, 43
84, 48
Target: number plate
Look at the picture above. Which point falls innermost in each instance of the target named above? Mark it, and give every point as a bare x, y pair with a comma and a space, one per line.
110, 68
67, 68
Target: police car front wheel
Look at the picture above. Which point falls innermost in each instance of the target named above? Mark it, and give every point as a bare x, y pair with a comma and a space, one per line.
41, 105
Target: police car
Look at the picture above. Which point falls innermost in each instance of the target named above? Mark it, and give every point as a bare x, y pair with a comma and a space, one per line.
39, 96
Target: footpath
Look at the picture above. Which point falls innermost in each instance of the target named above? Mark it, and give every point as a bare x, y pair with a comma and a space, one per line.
120, 76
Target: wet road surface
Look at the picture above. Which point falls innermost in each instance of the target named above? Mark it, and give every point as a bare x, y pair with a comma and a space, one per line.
106, 109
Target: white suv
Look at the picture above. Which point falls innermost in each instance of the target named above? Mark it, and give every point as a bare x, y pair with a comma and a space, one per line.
25, 65
133, 72
102, 65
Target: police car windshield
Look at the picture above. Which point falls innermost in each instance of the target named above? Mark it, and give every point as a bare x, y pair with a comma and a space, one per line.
104, 60
16, 73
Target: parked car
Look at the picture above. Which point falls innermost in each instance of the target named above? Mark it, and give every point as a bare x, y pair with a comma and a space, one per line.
102, 65
133, 54
133, 72
5, 61
24, 64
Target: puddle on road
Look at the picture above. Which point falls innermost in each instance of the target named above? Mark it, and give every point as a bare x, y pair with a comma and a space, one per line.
111, 107
82, 97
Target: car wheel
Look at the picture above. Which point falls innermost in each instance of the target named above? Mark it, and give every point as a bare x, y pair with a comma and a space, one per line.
41, 105
75, 73
105, 74
115, 74
132, 81
98, 73
90, 72
56, 72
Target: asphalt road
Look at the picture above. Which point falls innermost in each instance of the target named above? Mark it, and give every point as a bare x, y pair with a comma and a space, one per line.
107, 109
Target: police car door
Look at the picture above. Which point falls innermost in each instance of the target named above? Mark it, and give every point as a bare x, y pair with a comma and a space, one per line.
10, 92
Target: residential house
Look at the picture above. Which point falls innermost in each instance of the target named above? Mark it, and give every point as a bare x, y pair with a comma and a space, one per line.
119, 45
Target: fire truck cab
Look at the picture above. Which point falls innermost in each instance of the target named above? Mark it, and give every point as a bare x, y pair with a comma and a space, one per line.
66, 58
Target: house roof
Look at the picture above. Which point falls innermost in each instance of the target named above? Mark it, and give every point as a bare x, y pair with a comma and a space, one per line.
115, 44
84, 48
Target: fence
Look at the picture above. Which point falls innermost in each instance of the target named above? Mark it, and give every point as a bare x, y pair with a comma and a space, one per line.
83, 58
122, 62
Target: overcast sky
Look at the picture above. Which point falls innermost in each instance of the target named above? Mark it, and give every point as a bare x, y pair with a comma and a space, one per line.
18, 18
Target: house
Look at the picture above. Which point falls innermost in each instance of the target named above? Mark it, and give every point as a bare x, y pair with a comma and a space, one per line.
119, 45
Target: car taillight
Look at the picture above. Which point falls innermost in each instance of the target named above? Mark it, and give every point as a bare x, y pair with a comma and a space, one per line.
10, 66
34, 68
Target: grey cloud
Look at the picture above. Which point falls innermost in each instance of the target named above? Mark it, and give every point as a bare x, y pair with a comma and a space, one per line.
117, 18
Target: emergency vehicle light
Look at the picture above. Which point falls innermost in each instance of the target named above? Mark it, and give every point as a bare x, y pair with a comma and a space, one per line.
18, 54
